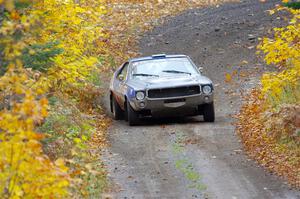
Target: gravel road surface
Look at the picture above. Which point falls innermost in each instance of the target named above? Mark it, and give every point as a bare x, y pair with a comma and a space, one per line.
185, 157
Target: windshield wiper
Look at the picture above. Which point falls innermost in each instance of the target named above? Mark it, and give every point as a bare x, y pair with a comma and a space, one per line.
176, 71
145, 75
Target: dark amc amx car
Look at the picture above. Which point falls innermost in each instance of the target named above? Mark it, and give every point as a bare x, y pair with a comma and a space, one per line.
158, 86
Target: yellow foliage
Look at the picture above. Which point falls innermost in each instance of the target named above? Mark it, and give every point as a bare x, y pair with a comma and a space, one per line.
76, 27
284, 48
283, 51
25, 172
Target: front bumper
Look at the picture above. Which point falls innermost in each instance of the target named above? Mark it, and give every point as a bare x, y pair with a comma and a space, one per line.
171, 105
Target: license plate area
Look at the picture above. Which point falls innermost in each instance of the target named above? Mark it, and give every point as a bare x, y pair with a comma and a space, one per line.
170, 101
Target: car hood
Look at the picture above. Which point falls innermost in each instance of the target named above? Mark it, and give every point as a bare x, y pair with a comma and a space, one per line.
168, 81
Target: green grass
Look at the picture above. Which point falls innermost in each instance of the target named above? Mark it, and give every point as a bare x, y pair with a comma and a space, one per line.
185, 166
68, 134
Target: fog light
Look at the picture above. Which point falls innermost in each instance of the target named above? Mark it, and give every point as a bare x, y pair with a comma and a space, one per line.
142, 104
206, 98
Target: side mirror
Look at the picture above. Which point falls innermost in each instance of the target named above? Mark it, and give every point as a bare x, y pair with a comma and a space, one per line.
201, 69
121, 77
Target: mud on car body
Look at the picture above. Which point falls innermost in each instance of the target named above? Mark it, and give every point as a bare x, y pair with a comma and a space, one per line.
158, 86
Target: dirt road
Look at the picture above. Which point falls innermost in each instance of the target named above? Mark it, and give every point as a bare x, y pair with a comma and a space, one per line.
187, 158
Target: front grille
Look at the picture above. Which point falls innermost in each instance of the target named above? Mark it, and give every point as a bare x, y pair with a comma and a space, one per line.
174, 92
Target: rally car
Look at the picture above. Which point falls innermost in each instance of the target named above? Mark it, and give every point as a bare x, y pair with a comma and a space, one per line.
160, 86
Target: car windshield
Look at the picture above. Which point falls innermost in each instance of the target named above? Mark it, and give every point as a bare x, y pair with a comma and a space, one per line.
162, 67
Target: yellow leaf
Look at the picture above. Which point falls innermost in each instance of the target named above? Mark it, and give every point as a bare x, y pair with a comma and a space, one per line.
271, 12
60, 162
228, 77
77, 140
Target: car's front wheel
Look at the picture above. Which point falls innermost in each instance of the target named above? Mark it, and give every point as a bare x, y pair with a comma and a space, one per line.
116, 109
132, 116
208, 112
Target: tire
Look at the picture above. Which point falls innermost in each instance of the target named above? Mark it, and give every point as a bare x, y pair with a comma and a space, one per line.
132, 116
208, 112
116, 109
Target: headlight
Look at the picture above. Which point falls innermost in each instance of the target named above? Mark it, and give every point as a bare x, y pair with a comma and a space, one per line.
140, 95
207, 89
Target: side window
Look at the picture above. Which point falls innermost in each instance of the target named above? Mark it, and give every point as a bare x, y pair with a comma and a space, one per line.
123, 73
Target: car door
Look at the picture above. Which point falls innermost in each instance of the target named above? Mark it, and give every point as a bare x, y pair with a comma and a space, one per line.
120, 84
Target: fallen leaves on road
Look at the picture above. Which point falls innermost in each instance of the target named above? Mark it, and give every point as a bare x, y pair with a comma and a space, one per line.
269, 120
271, 138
